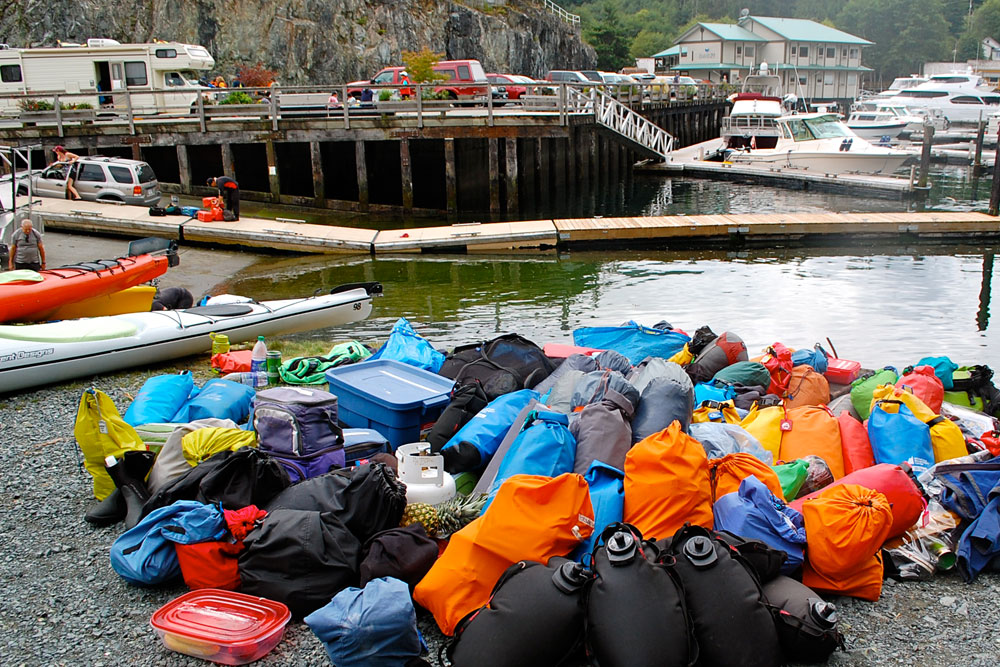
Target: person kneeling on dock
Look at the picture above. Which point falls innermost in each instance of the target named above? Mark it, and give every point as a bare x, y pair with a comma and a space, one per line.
229, 193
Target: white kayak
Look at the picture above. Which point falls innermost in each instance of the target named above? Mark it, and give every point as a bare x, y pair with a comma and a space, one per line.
37, 354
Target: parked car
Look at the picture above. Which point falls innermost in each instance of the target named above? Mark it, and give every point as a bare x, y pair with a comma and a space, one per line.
460, 79
515, 84
593, 75
98, 178
567, 76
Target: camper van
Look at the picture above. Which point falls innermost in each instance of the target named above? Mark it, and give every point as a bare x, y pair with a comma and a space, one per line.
160, 77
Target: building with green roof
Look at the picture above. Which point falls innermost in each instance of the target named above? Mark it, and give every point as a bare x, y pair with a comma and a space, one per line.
813, 60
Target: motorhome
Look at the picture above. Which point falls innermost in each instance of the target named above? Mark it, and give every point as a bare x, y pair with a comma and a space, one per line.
160, 76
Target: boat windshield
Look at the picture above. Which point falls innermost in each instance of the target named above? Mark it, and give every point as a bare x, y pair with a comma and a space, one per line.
826, 127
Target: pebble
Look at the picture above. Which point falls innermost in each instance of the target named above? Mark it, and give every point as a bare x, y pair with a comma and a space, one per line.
58, 583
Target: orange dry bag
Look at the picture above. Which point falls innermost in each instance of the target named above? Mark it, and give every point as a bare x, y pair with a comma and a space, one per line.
807, 387
667, 484
531, 518
727, 472
812, 430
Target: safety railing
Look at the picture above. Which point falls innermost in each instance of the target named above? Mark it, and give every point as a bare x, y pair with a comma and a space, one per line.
572, 19
139, 110
622, 120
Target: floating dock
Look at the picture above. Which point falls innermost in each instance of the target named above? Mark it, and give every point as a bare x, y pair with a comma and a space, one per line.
728, 230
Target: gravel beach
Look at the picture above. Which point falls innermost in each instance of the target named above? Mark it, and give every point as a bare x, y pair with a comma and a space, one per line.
62, 604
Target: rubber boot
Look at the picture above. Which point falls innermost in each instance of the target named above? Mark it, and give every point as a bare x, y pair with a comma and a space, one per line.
129, 475
108, 512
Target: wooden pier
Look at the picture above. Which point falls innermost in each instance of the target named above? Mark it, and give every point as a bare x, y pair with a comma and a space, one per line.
680, 231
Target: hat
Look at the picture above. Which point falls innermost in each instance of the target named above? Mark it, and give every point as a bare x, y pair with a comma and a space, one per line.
209, 180
57, 149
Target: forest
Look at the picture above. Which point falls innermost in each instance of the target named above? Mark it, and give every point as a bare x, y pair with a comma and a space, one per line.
906, 33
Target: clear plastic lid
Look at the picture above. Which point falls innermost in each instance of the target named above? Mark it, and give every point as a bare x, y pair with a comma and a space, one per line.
226, 618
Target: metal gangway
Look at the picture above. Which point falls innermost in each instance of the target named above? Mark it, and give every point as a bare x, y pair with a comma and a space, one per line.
645, 136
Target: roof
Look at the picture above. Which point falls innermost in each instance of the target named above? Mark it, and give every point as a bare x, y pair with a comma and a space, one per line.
726, 31
775, 66
804, 30
672, 51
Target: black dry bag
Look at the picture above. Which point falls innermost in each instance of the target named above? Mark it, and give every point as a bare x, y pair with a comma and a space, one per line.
466, 402
729, 618
807, 625
635, 606
534, 618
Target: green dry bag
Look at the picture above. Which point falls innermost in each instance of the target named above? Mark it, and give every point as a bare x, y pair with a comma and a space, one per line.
863, 388
792, 476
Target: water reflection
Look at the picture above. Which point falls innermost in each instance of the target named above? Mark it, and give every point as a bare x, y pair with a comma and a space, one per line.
885, 305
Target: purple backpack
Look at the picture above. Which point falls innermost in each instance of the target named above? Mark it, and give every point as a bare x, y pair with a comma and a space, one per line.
298, 427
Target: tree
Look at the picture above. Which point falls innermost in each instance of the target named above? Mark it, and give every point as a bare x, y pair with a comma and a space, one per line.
648, 43
609, 39
420, 64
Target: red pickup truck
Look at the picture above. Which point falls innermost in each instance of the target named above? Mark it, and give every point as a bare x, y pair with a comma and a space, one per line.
461, 79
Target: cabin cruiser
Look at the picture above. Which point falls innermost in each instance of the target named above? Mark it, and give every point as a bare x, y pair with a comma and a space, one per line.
959, 97
752, 122
820, 142
876, 125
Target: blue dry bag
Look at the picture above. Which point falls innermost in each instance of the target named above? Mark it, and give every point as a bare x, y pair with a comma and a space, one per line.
755, 513
943, 367
633, 340
374, 626
546, 448
159, 399
607, 496
476, 442
221, 399
899, 436
815, 357
713, 390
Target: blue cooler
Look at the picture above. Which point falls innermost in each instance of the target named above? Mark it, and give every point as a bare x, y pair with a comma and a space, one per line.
394, 398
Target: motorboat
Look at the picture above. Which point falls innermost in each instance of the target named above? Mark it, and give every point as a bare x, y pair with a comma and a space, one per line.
959, 97
821, 142
752, 121
37, 295
879, 125
36, 354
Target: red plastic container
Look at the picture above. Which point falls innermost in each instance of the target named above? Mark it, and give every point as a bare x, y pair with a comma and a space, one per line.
842, 371
206, 216
222, 626
561, 350
209, 202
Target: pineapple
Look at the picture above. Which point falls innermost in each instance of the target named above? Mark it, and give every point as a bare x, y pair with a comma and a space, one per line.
442, 520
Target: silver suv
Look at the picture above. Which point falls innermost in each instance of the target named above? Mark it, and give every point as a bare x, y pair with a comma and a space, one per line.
97, 178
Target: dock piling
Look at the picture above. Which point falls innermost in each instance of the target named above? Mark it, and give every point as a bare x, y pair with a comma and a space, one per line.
925, 155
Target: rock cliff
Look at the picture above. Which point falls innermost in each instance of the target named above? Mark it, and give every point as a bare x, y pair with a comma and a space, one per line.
314, 41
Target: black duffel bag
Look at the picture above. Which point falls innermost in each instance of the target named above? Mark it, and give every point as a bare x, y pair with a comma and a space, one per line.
505, 364
466, 402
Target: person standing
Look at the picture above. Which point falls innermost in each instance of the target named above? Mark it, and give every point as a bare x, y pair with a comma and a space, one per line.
27, 250
63, 155
229, 192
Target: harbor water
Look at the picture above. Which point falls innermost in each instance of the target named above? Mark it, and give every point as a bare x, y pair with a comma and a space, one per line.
879, 304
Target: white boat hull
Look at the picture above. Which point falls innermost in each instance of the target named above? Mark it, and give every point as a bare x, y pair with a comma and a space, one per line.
164, 335
876, 132
823, 163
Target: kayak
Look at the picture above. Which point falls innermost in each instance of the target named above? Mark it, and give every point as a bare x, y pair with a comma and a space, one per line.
33, 299
132, 300
37, 354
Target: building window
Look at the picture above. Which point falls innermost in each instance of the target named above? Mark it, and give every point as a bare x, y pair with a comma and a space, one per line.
819, 78
854, 53
793, 51
843, 52
739, 50
135, 74
852, 79
10, 73
802, 81
831, 52
803, 51
828, 78
749, 51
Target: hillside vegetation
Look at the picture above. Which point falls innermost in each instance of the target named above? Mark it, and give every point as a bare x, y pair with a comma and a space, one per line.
906, 33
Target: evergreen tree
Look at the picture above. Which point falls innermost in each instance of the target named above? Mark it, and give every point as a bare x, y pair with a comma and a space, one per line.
610, 39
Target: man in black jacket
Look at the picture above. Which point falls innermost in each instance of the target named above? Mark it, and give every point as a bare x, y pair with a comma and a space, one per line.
229, 192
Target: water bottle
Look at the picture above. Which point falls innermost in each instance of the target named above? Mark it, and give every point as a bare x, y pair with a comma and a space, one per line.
258, 363
220, 343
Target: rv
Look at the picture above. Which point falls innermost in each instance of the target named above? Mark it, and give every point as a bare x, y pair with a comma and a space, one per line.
159, 76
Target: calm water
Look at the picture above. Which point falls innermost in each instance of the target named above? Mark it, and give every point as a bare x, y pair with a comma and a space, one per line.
879, 305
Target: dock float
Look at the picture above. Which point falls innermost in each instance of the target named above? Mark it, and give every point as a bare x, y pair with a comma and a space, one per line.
677, 231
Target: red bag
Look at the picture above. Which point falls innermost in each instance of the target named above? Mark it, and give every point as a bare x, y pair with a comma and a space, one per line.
925, 385
854, 443
210, 564
778, 362
904, 497
237, 361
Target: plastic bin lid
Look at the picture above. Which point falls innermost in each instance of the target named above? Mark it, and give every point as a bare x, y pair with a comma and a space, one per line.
221, 617
391, 382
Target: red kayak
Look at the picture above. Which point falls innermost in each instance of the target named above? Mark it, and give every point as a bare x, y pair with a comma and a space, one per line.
28, 300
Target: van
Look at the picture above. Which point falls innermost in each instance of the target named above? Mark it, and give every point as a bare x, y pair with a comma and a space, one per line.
567, 76
459, 79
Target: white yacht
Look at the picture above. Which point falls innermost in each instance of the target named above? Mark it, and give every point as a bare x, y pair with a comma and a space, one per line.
959, 97
821, 142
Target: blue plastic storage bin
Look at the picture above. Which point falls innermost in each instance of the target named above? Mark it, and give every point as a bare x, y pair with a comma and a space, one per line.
391, 397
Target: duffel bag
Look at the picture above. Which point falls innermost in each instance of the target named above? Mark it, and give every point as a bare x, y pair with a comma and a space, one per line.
504, 364
725, 350
466, 402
